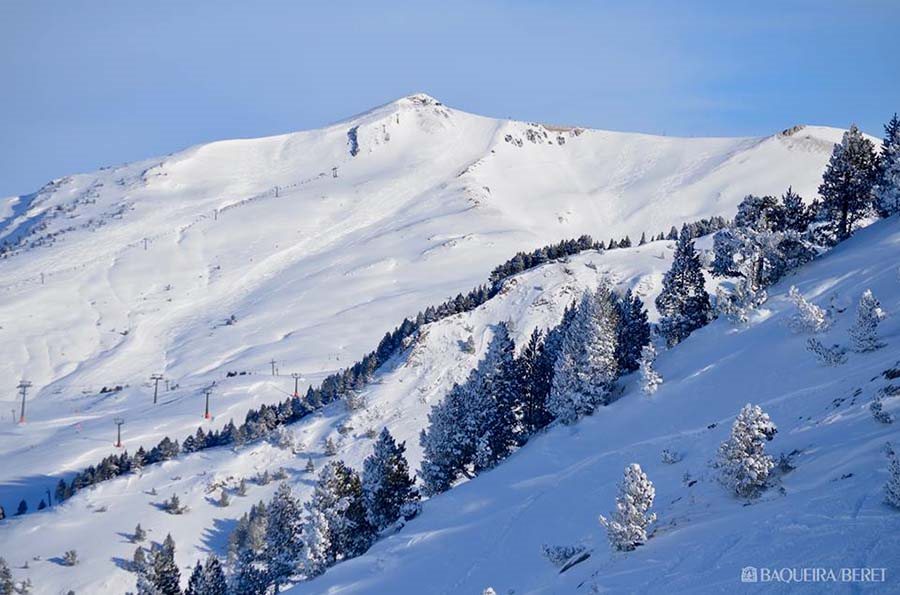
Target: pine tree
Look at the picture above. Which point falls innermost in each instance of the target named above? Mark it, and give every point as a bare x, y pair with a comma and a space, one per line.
7, 585
330, 447
891, 488
650, 378
795, 215
827, 356
587, 368
213, 577
338, 495
632, 332
683, 302
197, 582
887, 187
536, 373
164, 570
139, 560
23, 507
242, 487
248, 578
283, 536
627, 528
742, 461
224, 500
139, 534
809, 318
317, 544
386, 483
310, 466
846, 187
864, 332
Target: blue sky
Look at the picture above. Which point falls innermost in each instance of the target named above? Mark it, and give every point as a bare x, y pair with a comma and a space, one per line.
86, 84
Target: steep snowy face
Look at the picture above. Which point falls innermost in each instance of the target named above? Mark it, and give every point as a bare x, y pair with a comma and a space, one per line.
305, 248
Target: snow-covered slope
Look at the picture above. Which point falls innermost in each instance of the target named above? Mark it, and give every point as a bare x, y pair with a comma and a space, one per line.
133, 270
827, 513
317, 243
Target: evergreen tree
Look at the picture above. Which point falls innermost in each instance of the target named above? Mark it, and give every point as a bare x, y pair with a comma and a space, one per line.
23, 507
643, 239
139, 560
197, 582
213, 577
891, 488
683, 302
650, 378
846, 187
809, 318
139, 534
248, 578
864, 332
827, 356
887, 187
586, 369
338, 495
7, 585
164, 571
445, 450
627, 528
317, 544
633, 332
386, 482
283, 536
743, 463
795, 215
536, 373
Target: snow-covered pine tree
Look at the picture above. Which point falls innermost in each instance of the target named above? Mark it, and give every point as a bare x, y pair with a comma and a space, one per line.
795, 215
214, 577
139, 534
864, 332
330, 447
650, 378
742, 461
139, 560
887, 186
338, 495
7, 584
809, 318
892, 487
492, 400
536, 372
827, 356
163, 569
846, 187
386, 483
445, 444
586, 368
196, 583
633, 332
283, 536
683, 302
316, 544
248, 578
627, 528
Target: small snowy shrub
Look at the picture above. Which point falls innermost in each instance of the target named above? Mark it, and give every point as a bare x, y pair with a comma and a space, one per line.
650, 378
627, 528
742, 462
558, 555
828, 356
670, 457
892, 487
864, 332
70, 558
809, 318
878, 412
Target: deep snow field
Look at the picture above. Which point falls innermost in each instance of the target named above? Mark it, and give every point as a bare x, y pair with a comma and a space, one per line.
134, 270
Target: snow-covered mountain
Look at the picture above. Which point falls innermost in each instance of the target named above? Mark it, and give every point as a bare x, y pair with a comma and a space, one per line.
303, 250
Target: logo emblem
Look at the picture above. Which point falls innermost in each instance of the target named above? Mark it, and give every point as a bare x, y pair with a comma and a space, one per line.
748, 574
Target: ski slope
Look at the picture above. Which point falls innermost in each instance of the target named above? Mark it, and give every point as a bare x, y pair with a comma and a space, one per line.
829, 512
316, 243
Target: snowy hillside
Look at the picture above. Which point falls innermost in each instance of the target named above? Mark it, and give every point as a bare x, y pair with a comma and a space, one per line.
304, 249
829, 512
134, 270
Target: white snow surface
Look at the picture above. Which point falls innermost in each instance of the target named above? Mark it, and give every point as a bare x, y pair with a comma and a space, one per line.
133, 270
